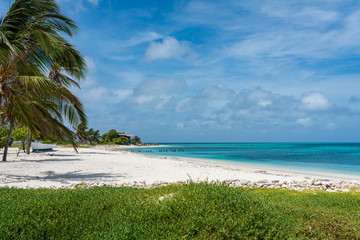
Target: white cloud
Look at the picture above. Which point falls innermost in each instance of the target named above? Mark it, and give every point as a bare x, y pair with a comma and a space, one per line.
144, 99
257, 104
91, 66
130, 77
119, 49
89, 81
167, 49
157, 86
91, 78
201, 7
77, 6
143, 37
215, 14
350, 36
154, 102
103, 95
288, 43
94, 2
258, 95
315, 102
122, 58
250, 98
163, 101
254, 109
218, 91
331, 126
121, 94
155, 94
264, 103
305, 15
305, 122
183, 105
207, 102
95, 94
303, 30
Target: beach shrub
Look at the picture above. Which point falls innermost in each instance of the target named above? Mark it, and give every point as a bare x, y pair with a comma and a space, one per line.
121, 140
19, 134
319, 215
136, 140
4, 131
109, 136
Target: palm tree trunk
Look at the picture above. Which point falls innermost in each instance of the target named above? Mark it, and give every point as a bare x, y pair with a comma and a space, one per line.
1, 98
8, 141
28, 142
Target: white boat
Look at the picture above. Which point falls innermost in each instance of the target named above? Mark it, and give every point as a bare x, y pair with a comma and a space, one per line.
41, 146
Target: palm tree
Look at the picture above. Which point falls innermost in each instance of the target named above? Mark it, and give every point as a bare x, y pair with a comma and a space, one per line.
94, 136
28, 141
81, 133
35, 62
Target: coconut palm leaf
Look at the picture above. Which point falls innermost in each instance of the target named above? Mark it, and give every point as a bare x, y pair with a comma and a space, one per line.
32, 47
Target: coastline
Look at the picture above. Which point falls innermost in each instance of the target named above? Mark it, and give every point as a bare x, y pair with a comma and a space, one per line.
293, 168
99, 166
269, 169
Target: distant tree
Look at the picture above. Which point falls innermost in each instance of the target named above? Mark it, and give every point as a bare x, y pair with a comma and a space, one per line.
112, 136
89, 134
121, 140
109, 136
4, 131
93, 136
136, 140
81, 133
20, 134
96, 136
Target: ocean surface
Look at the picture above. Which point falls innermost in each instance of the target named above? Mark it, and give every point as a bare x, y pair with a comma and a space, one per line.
338, 158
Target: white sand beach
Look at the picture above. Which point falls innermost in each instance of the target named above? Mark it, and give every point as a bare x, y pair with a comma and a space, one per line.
99, 166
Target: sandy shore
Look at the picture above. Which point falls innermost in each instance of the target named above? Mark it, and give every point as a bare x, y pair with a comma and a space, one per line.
96, 166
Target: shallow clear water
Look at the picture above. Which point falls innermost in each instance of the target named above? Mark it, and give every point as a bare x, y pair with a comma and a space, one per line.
341, 158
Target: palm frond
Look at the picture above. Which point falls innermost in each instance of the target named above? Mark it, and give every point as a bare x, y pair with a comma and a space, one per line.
32, 47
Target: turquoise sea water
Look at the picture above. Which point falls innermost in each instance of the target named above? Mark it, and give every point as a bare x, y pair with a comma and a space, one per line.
340, 158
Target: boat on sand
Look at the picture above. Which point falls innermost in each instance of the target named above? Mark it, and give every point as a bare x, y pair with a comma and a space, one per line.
42, 146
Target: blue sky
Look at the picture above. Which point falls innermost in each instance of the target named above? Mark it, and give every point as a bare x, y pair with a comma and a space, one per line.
220, 71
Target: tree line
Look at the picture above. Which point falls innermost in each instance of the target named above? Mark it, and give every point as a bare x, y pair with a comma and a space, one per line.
91, 136
83, 136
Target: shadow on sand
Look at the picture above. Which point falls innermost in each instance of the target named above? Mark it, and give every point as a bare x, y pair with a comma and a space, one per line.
66, 178
53, 160
98, 153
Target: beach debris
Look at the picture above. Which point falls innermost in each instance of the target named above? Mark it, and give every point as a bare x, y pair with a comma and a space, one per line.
161, 198
301, 185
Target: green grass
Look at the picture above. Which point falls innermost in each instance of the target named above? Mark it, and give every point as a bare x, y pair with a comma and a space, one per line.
193, 211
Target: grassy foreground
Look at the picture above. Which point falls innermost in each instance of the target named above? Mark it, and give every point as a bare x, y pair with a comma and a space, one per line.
193, 211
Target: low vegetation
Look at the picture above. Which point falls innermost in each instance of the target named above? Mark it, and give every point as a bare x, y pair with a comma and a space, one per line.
112, 137
83, 136
192, 211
